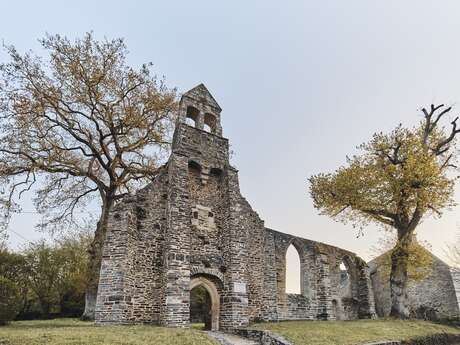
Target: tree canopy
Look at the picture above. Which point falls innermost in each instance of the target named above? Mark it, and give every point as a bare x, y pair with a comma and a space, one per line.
83, 121
78, 125
397, 179
48, 278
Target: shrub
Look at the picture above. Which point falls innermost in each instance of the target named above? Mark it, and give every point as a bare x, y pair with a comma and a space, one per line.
9, 300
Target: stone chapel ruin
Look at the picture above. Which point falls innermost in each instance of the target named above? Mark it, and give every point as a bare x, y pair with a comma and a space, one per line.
192, 228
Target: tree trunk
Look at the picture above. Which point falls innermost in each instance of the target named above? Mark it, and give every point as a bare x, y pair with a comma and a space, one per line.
95, 258
45, 306
399, 275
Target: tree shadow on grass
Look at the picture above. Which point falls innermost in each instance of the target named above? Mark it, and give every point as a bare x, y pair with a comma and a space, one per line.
50, 324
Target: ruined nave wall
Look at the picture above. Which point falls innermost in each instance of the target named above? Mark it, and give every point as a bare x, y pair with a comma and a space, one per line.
327, 291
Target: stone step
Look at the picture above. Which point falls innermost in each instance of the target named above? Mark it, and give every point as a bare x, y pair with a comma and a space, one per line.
230, 339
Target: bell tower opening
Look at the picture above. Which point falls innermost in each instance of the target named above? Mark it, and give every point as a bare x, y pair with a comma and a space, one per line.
209, 123
192, 115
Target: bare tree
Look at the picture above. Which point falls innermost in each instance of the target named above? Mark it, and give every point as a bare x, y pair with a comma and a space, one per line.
80, 125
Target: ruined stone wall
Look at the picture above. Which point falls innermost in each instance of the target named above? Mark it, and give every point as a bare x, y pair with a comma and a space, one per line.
297, 307
351, 287
248, 253
131, 285
455, 273
191, 225
269, 309
235, 311
433, 297
146, 284
322, 285
255, 261
113, 304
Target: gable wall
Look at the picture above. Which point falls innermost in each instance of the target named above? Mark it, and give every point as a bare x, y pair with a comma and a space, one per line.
432, 297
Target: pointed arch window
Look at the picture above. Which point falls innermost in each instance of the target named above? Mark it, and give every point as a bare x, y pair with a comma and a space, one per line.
293, 271
345, 280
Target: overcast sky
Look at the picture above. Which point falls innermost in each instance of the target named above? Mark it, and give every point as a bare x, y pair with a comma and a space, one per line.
301, 83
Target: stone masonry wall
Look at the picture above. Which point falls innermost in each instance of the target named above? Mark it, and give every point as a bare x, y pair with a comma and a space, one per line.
191, 225
145, 285
432, 298
321, 296
113, 304
132, 261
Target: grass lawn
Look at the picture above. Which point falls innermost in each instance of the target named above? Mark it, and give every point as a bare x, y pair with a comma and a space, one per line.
352, 332
75, 332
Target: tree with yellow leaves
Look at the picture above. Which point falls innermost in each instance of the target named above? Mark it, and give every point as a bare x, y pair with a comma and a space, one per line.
77, 126
398, 179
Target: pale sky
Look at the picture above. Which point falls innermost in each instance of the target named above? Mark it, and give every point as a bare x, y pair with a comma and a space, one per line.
301, 83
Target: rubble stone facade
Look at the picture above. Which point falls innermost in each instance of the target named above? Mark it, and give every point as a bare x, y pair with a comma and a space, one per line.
192, 227
433, 297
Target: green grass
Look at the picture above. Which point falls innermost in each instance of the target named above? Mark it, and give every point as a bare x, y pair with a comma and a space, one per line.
198, 326
352, 332
75, 332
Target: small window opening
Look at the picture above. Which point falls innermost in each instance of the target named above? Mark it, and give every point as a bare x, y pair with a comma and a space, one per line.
191, 117
210, 214
336, 309
194, 166
209, 123
344, 280
343, 271
216, 172
195, 215
293, 272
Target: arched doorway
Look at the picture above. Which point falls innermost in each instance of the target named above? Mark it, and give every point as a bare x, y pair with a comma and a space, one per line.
204, 302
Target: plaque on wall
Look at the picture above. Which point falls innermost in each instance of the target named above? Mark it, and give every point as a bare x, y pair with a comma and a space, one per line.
239, 287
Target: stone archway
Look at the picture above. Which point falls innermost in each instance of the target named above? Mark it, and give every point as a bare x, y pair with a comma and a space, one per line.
214, 296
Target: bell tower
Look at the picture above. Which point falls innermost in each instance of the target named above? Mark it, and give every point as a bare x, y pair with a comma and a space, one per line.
199, 109
204, 240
